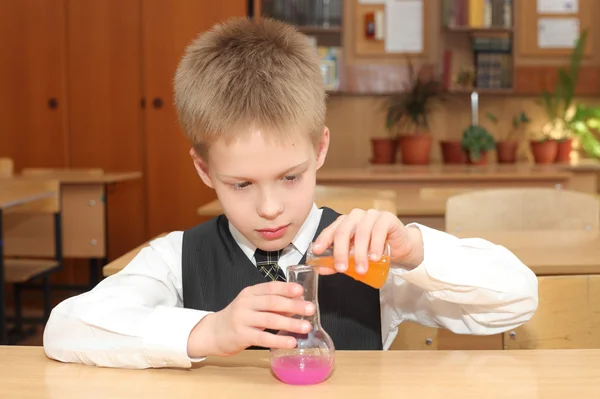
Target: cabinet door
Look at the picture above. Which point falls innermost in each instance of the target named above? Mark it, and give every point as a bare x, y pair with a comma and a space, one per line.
413, 336
104, 72
32, 95
174, 189
567, 317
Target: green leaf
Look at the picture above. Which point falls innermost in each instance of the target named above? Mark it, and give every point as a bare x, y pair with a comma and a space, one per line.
567, 89
491, 117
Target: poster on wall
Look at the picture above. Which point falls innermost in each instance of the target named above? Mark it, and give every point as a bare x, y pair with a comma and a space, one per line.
404, 26
557, 6
557, 32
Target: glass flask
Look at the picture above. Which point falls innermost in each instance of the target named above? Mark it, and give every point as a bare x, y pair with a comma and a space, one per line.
375, 276
312, 360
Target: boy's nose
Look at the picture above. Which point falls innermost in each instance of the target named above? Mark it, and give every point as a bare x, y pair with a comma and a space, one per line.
269, 207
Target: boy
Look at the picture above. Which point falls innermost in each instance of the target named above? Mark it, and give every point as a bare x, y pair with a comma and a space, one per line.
250, 98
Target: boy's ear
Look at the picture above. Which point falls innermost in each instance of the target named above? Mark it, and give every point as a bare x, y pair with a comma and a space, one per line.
201, 167
322, 147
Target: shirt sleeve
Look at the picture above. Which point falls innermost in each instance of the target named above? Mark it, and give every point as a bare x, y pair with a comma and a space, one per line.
133, 319
468, 286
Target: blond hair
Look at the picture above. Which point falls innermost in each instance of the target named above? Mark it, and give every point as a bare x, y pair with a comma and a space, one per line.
243, 76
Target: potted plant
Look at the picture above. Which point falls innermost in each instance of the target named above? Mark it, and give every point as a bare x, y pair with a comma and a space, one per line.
506, 148
408, 113
563, 123
384, 149
585, 124
476, 142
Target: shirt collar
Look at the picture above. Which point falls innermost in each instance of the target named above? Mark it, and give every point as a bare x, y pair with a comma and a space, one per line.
300, 243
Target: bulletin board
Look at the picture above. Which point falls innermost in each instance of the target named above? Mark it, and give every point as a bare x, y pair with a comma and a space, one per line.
364, 46
532, 43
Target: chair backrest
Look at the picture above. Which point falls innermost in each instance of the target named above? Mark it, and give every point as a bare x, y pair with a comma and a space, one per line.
521, 209
61, 171
6, 167
29, 229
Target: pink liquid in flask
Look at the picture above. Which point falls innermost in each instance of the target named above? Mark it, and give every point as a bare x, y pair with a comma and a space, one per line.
302, 369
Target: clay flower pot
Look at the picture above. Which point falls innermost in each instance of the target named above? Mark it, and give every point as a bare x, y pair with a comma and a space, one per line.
415, 149
563, 154
452, 152
544, 151
384, 151
481, 161
507, 151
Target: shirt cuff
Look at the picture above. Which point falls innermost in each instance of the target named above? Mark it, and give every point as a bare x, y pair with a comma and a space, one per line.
166, 336
435, 243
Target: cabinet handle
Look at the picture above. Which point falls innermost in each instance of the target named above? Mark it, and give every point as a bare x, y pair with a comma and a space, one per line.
52, 103
428, 341
157, 102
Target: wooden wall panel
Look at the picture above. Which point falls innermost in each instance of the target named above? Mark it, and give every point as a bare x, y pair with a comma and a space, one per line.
105, 119
174, 188
32, 73
534, 79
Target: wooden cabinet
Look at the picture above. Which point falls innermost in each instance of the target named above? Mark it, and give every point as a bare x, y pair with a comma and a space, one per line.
413, 336
103, 76
174, 187
33, 102
568, 315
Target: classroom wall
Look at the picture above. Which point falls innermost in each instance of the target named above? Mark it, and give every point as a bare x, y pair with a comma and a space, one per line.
354, 120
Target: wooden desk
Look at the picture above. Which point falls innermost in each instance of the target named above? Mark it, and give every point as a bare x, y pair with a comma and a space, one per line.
406, 179
118, 264
26, 372
10, 198
83, 197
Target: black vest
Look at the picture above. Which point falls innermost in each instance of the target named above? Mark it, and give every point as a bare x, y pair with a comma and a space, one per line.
215, 270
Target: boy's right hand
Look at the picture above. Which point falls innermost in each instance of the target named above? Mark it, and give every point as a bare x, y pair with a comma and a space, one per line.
242, 323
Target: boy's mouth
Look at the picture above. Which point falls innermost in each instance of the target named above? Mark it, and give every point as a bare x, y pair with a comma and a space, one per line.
274, 233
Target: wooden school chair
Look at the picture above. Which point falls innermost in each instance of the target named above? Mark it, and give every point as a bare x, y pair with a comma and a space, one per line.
32, 246
522, 209
6, 167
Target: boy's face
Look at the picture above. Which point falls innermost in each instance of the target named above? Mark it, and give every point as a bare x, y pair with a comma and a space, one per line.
266, 188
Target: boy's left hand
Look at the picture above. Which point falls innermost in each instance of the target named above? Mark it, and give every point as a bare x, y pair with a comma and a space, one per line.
367, 232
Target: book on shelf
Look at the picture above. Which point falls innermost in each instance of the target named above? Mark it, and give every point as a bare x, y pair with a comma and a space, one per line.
477, 13
493, 71
329, 61
317, 13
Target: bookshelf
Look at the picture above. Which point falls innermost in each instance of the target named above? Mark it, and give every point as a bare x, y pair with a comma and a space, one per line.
321, 22
478, 46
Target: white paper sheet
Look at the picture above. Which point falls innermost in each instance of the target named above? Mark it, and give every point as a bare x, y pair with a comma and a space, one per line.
557, 32
404, 26
557, 6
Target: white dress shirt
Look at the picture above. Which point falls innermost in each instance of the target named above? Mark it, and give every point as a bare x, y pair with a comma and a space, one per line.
136, 318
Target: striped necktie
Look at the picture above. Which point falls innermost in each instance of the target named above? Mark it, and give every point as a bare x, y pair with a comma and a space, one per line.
266, 262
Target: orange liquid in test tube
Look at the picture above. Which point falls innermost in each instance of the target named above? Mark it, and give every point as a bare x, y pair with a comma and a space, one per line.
375, 276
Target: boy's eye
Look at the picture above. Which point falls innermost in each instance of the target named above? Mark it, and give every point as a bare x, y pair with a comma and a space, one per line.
290, 177
241, 186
